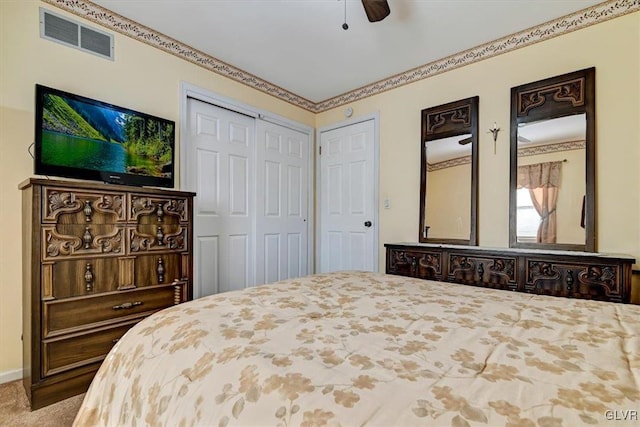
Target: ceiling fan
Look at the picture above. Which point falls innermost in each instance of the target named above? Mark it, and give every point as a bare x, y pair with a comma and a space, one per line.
466, 141
376, 10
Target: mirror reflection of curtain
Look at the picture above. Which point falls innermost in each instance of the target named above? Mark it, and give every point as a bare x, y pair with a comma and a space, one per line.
543, 182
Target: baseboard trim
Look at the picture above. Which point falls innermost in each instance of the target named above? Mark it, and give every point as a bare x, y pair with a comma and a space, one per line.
8, 376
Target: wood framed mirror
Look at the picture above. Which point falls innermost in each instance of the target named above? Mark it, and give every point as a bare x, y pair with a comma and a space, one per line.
449, 173
552, 171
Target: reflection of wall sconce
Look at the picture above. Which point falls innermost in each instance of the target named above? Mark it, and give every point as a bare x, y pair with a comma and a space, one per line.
494, 130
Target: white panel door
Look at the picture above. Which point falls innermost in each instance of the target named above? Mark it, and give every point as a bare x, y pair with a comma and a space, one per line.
281, 202
347, 198
221, 155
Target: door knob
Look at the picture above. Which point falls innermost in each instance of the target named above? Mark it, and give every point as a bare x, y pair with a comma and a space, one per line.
367, 223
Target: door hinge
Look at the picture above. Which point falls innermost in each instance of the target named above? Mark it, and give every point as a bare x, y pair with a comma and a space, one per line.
320, 150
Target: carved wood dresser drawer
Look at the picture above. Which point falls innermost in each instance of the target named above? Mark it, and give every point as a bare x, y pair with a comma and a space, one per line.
71, 314
487, 269
97, 259
558, 273
422, 264
70, 352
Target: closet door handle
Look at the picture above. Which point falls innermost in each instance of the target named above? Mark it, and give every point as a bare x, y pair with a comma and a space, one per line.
367, 223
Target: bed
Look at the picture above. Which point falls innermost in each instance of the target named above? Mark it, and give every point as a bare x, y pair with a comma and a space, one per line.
356, 349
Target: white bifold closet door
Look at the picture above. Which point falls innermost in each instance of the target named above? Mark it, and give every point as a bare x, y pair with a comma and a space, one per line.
281, 203
250, 209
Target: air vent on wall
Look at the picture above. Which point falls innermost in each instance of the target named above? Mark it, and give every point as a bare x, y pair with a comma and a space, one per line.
73, 34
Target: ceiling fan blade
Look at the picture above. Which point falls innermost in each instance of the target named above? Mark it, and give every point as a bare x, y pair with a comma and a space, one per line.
376, 10
523, 139
465, 141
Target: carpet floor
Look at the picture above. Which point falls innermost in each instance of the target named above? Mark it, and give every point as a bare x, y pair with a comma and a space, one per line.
14, 409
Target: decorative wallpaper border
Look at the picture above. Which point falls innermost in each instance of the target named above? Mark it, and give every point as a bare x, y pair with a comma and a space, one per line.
458, 161
522, 152
551, 148
578, 20
581, 19
113, 21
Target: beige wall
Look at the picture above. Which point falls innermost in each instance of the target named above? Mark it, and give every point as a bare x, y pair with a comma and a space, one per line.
141, 77
613, 47
448, 212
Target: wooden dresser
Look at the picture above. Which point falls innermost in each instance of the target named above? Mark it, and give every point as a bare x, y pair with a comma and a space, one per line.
558, 273
97, 259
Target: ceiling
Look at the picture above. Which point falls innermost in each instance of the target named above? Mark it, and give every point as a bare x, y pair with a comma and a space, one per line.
553, 131
300, 46
443, 149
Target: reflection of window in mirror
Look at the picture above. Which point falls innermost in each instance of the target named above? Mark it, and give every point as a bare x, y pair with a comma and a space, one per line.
552, 154
528, 218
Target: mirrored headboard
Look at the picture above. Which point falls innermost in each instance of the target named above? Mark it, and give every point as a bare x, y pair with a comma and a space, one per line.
552, 170
449, 173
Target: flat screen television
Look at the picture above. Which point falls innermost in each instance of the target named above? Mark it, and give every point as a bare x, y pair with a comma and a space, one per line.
78, 137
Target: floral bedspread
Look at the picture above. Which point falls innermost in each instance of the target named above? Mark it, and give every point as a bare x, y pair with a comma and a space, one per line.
367, 349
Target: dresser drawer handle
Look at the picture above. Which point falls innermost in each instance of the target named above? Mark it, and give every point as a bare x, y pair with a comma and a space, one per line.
127, 305
88, 277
